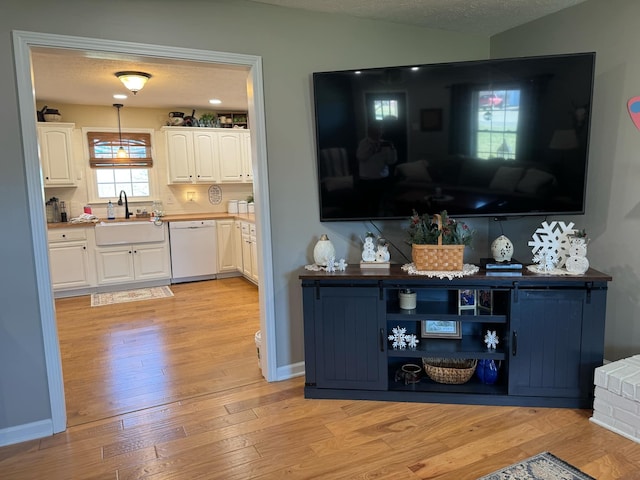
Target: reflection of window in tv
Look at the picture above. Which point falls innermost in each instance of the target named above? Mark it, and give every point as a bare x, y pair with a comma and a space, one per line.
496, 123
385, 109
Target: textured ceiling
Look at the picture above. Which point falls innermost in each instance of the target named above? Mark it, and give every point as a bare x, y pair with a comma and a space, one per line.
486, 17
75, 77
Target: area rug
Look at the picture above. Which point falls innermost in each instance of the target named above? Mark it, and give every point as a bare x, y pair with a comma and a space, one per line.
544, 466
100, 299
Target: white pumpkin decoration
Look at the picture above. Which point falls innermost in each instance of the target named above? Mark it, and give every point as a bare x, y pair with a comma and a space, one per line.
323, 251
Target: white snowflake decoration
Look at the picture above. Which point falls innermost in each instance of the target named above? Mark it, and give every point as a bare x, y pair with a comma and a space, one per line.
401, 339
331, 264
491, 339
551, 245
331, 267
412, 340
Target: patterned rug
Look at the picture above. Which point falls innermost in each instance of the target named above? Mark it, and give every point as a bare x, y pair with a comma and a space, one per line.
544, 466
100, 299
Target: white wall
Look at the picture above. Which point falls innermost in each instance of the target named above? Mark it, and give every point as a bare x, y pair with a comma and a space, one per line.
292, 44
612, 218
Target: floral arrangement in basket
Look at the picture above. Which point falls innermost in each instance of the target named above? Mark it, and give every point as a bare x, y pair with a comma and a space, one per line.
437, 243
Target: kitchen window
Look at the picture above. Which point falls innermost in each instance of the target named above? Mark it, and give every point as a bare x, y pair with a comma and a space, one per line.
111, 173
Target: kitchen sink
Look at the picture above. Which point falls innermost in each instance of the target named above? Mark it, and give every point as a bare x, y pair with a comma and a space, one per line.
119, 233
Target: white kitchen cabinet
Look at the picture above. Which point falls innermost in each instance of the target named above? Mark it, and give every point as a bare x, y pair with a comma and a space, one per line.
235, 155
237, 241
69, 259
56, 154
192, 155
208, 155
231, 166
246, 156
254, 253
133, 263
249, 252
226, 232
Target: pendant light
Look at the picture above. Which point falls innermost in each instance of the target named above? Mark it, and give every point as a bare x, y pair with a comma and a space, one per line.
122, 153
134, 81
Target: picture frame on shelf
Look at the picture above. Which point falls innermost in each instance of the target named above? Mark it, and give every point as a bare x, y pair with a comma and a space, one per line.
485, 301
440, 329
467, 302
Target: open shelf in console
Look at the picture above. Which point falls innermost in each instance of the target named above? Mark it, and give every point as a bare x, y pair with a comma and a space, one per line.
473, 386
469, 346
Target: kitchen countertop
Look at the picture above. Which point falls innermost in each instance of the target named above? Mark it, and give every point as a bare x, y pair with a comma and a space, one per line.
249, 217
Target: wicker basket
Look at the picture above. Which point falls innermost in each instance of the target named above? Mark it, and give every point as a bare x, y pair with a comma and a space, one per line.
452, 371
437, 257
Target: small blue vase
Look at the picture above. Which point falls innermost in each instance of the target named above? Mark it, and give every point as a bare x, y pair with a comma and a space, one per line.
487, 371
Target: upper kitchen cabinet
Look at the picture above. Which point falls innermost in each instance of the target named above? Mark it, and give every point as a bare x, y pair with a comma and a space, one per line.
192, 155
56, 154
235, 156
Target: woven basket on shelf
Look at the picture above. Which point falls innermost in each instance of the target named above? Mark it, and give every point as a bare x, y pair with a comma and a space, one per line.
437, 257
452, 371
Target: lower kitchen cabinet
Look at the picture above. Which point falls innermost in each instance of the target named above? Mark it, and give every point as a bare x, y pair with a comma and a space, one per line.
550, 333
226, 232
237, 244
249, 251
237, 249
70, 263
132, 263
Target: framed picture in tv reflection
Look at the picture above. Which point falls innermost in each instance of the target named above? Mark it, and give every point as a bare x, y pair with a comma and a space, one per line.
431, 119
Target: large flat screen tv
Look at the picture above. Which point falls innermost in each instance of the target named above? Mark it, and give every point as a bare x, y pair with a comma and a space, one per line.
500, 138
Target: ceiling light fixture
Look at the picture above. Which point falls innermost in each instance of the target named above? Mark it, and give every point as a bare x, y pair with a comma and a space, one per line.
134, 81
122, 153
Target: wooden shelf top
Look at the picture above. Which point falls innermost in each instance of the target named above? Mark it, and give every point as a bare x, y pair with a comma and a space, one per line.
395, 273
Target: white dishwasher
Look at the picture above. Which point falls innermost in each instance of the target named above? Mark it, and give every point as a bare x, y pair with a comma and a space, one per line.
193, 250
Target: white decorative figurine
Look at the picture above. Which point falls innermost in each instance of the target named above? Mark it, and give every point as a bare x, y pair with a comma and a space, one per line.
577, 262
323, 250
382, 253
491, 339
368, 250
502, 249
550, 245
401, 339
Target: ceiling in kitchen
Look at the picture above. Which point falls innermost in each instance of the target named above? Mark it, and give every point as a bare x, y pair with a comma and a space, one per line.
88, 78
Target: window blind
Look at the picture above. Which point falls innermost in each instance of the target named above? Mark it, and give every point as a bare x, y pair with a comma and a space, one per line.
103, 149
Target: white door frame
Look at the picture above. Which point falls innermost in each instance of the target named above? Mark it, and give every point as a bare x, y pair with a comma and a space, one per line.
23, 42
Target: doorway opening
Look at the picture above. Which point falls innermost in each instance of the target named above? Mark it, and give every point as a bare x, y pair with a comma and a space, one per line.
23, 43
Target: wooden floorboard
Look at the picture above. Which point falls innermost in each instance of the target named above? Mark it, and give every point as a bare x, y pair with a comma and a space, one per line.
171, 389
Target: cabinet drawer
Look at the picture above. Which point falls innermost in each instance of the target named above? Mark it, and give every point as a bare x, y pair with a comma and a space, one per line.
246, 230
252, 229
66, 234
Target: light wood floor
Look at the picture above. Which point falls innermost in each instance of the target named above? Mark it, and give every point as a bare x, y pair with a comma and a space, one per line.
170, 389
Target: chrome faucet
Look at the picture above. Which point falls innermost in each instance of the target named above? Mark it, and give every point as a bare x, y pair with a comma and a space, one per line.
127, 214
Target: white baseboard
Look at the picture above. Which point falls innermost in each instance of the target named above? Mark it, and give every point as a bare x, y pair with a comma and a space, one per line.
290, 371
26, 432
614, 429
